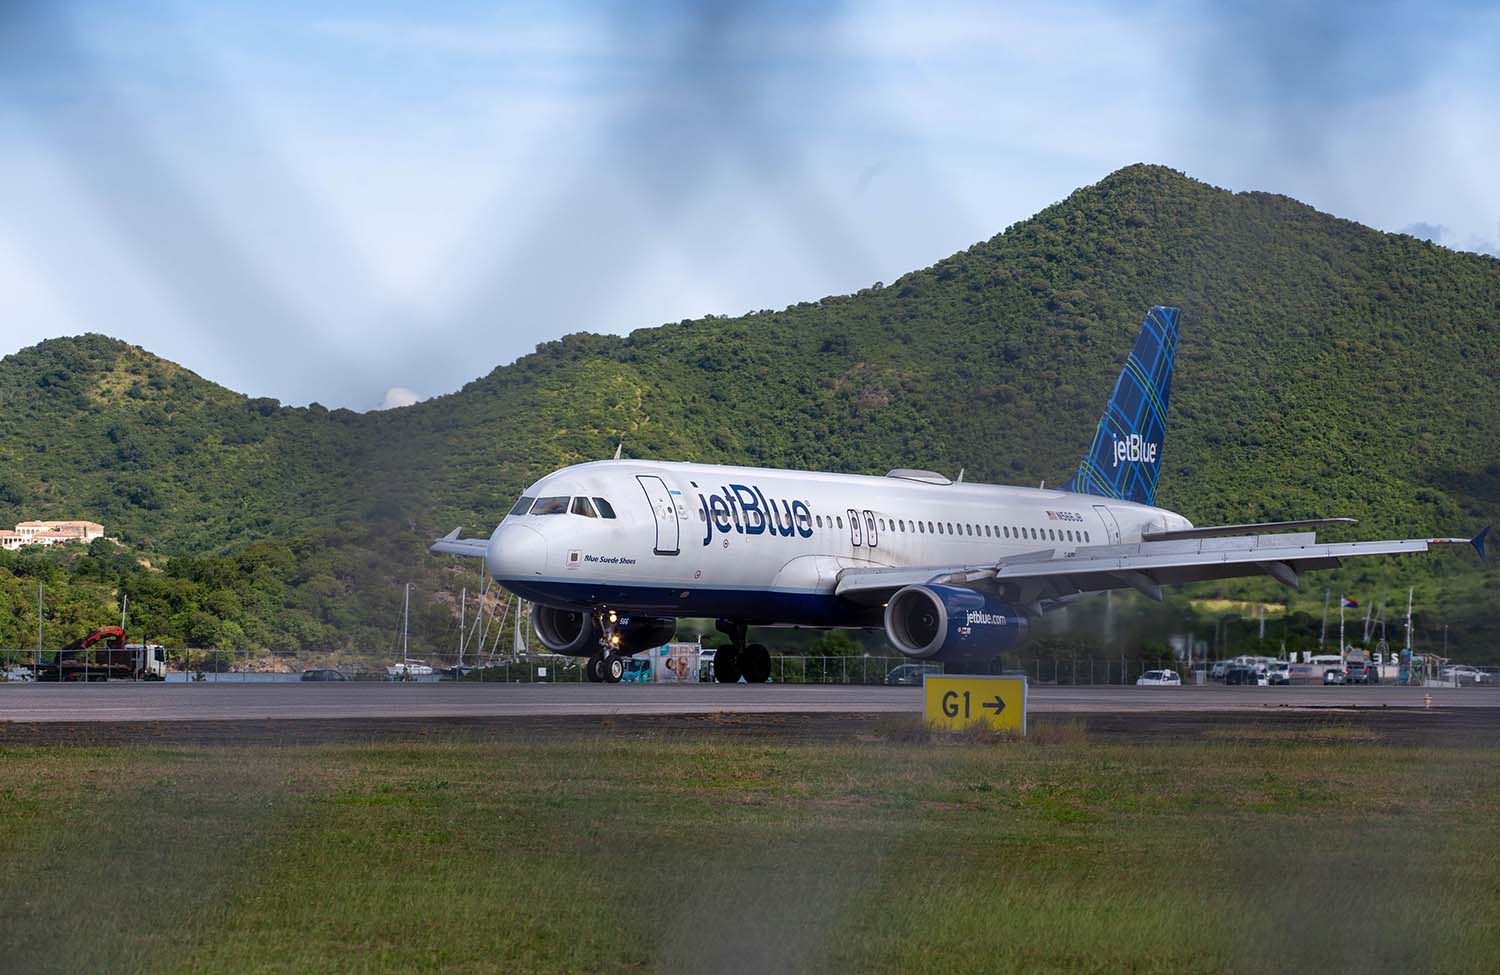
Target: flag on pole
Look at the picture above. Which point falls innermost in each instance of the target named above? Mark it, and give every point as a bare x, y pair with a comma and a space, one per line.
1346, 601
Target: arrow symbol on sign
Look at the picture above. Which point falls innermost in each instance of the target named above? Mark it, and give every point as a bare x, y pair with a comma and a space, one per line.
996, 705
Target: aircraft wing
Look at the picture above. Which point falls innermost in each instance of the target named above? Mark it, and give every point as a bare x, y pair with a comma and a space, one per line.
451, 544
1036, 580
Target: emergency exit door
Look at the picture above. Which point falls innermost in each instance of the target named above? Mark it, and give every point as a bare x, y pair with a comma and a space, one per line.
1111, 526
667, 529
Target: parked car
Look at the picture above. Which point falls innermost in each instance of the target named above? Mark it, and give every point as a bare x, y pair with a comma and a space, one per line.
1219, 669
1245, 676
905, 675
1361, 672
1333, 676
324, 673
1279, 672
1464, 674
1159, 678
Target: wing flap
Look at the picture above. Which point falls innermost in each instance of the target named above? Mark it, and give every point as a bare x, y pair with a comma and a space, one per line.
1214, 531
1046, 575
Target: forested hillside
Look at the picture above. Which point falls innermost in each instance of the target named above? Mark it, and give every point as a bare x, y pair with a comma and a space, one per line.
1324, 369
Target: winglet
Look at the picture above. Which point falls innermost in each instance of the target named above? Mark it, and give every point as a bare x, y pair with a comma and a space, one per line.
1478, 541
451, 535
619, 447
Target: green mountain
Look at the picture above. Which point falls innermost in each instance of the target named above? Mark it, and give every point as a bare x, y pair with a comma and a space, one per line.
1324, 369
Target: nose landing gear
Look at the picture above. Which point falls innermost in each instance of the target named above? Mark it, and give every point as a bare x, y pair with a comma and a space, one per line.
606, 666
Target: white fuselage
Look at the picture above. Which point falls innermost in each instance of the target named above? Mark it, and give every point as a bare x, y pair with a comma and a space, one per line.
767, 546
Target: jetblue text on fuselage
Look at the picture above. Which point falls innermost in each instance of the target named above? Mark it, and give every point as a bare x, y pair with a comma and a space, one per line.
745, 510
1134, 449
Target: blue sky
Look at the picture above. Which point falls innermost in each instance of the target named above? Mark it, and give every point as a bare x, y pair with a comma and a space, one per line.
341, 202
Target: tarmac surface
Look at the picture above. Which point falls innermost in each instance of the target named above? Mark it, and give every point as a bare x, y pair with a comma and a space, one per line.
259, 701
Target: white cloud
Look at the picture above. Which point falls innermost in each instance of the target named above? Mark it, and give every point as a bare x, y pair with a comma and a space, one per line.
399, 396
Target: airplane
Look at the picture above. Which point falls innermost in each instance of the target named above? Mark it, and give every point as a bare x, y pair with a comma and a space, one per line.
613, 552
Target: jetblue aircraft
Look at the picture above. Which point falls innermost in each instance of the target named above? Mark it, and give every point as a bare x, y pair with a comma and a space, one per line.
613, 552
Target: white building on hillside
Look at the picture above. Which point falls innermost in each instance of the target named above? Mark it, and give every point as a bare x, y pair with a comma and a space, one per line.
50, 533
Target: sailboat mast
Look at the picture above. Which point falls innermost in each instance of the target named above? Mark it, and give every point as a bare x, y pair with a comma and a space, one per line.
1408, 615
518, 645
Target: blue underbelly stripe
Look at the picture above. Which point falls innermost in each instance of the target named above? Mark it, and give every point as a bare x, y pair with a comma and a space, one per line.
795, 606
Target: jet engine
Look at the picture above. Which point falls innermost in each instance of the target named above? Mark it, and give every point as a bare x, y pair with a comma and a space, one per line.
951, 623
567, 631
574, 632
639, 633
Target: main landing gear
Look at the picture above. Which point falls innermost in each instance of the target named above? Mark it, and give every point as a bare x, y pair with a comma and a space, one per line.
750, 661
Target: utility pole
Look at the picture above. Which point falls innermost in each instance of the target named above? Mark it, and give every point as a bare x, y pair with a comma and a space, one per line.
38, 669
124, 605
1323, 633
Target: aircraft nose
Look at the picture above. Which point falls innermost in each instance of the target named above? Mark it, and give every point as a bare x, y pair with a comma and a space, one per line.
516, 552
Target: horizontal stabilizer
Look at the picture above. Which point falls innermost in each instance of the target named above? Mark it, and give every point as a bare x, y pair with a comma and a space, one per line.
1255, 528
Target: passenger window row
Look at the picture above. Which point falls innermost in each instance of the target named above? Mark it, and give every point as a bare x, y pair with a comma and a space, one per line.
966, 530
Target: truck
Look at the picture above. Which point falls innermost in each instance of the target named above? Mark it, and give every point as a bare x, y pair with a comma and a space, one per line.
103, 654
1360, 669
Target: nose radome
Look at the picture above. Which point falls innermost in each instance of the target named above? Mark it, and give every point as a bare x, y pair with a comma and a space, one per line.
516, 552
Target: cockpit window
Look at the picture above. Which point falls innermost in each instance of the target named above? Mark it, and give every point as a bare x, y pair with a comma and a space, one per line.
581, 506
522, 506
605, 509
550, 506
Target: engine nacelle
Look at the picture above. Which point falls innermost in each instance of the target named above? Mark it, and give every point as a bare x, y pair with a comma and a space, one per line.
639, 633
951, 623
574, 632
567, 631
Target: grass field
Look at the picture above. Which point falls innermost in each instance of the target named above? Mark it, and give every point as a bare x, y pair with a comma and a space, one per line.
1260, 850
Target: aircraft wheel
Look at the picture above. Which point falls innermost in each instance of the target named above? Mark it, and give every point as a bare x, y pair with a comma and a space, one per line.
755, 663
727, 665
594, 668
613, 668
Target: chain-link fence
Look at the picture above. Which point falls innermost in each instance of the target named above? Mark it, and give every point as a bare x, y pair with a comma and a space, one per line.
223, 665
1048, 669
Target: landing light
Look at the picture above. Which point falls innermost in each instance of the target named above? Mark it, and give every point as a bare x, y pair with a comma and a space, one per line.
614, 640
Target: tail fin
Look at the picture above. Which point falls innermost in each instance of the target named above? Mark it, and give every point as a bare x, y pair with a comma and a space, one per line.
1124, 460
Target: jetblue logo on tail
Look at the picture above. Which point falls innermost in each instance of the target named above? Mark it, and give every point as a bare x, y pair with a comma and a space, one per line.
1124, 460
1134, 450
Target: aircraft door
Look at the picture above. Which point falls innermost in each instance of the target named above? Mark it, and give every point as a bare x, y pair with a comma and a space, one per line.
667, 529
1111, 527
870, 532
855, 535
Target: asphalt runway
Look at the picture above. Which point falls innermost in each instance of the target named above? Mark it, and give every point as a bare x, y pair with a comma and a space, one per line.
277, 701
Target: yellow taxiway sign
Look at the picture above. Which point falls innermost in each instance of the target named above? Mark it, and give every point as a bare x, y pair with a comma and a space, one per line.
959, 701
